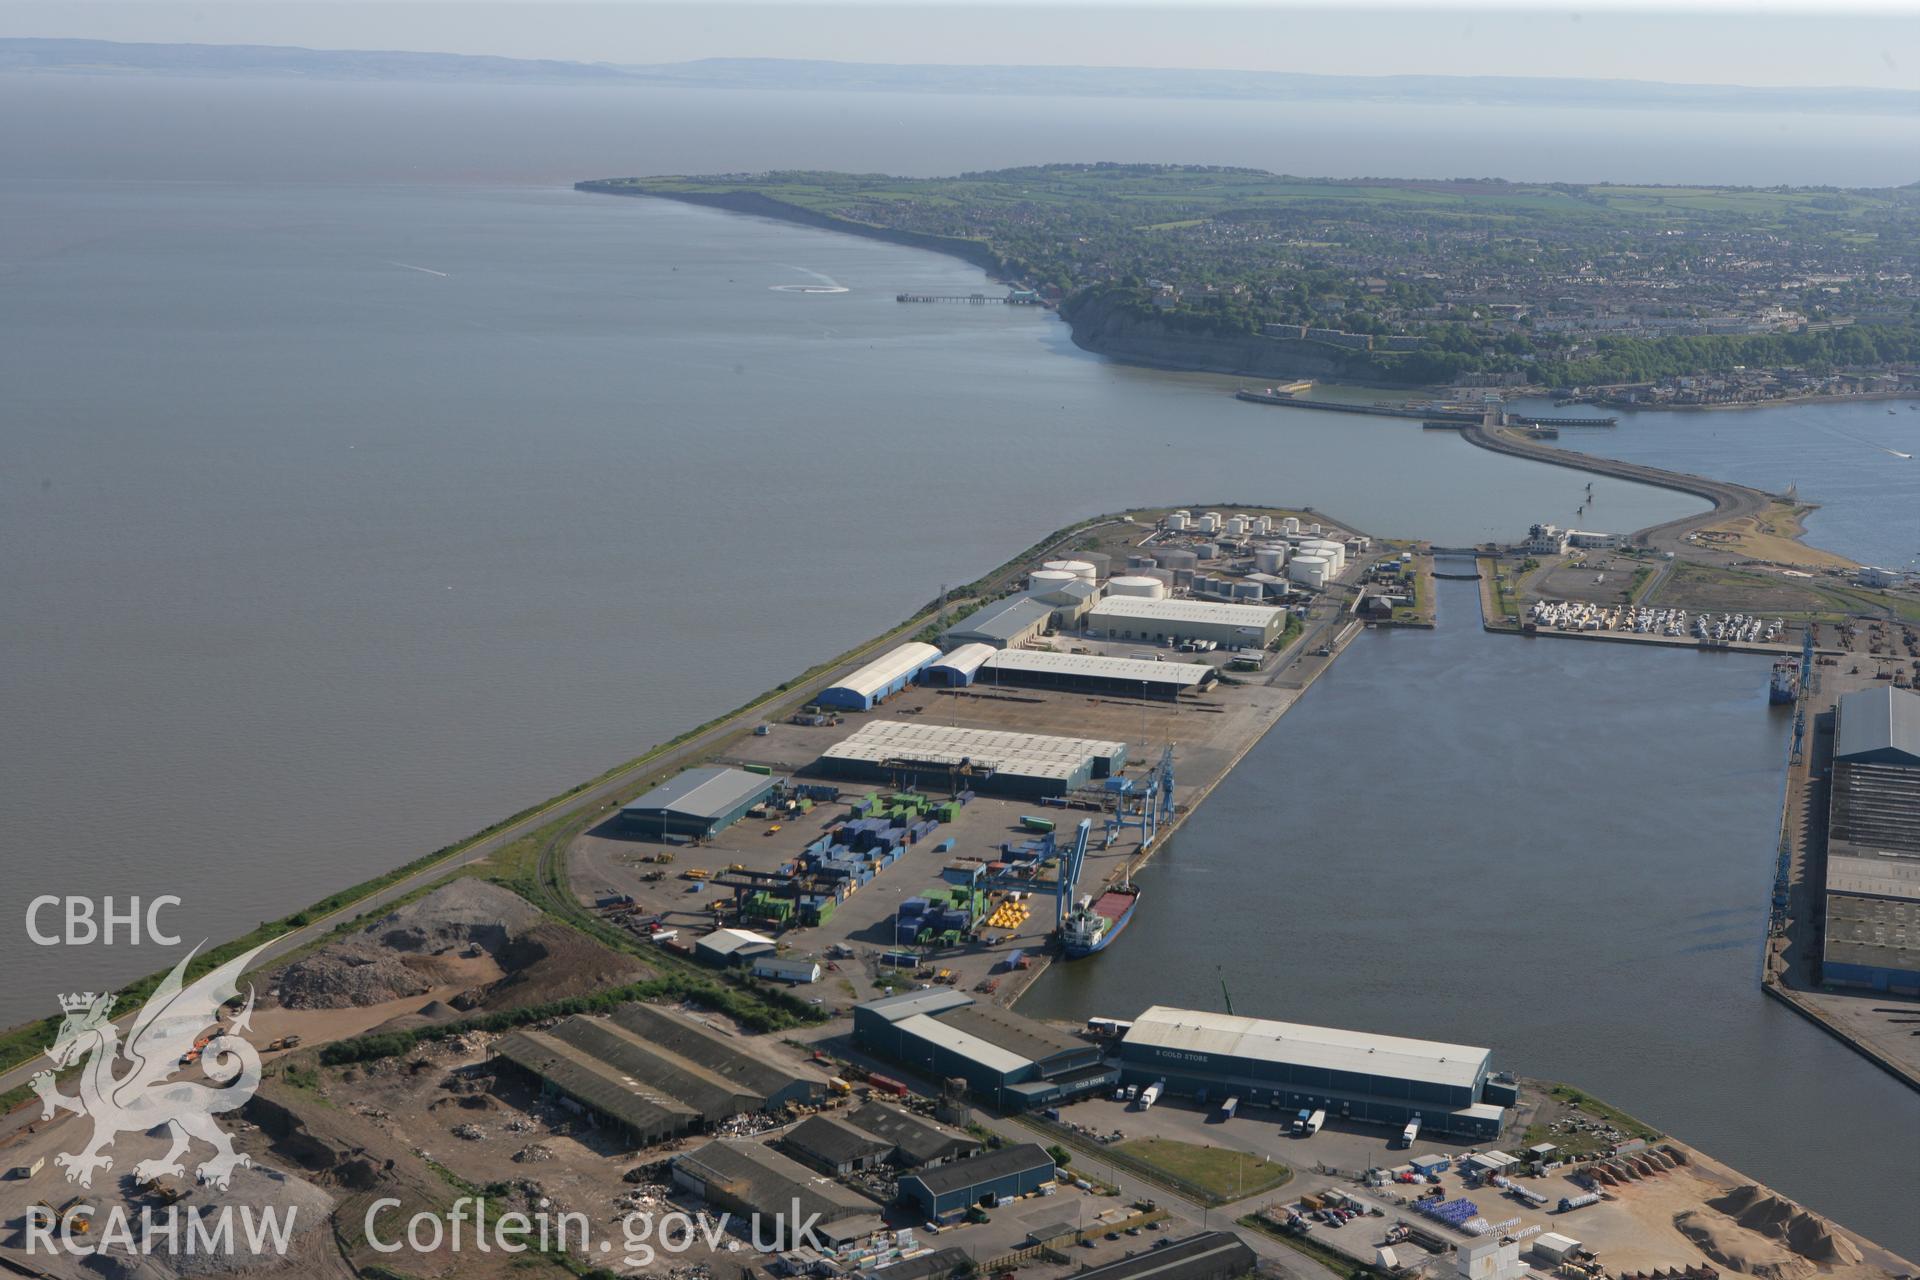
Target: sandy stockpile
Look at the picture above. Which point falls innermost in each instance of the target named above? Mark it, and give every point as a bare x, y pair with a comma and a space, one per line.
1778, 1218
403, 953
254, 1191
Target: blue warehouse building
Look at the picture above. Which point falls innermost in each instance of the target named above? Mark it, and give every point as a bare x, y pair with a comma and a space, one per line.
696, 804
1387, 1080
880, 679
1872, 934
1012, 1062
948, 1190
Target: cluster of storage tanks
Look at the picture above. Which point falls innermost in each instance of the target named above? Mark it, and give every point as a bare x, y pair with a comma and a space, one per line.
1317, 562
1238, 525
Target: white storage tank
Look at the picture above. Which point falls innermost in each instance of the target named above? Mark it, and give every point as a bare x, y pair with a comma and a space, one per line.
1315, 530
1290, 524
1179, 521
1141, 585
1310, 570
1209, 523
1045, 581
1263, 524
1076, 568
1269, 559
1236, 526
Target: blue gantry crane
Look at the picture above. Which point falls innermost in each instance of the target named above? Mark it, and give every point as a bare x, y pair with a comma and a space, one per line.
1142, 805
1067, 879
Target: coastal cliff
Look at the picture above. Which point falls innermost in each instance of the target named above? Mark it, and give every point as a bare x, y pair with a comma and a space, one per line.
1120, 329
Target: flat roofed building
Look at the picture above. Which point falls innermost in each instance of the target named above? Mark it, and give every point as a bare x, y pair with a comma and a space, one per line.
885, 676
1212, 1255
1020, 764
644, 1114
746, 1177
1002, 624
1095, 673
696, 803
1872, 927
916, 1140
1375, 1078
991, 1176
714, 1098
1142, 618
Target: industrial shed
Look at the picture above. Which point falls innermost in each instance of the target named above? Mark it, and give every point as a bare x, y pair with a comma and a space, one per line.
1158, 621
742, 1176
1095, 673
1003, 624
1009, 1060
991, 1176
644, 1115
880, 679
914, 1139
1872, 935
830, 1143
988, 760
734, 946
956, 669
1212, 1255
1378, 1079
696, 804
720, 1055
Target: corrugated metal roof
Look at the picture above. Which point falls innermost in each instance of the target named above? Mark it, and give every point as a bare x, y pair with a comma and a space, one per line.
726, 942
887, 668
988, 1166
1324, 1048
703, 793
966, 659
598, 1084
1003, 619
969, 1046
1029, 755
908, 1003
1226, 615
1875, 877
1184, 674
1885, 720
770, 1183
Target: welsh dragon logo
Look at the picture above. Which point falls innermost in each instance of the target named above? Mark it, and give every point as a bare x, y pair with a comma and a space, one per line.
130, 1087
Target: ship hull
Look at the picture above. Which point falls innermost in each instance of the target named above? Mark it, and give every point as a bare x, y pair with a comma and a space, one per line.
1105, 940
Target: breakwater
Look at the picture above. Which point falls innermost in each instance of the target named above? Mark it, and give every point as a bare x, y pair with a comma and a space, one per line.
1430, 416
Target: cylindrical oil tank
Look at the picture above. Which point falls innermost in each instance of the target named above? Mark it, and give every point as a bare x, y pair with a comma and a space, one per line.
1042, 581
1248, 590
1236, 526
1183, 577
1135, 562
1176, 558
1310, 570
1102, 562
1077, 568
1263, 524
1208, 523
1315, 529
1131, 585
1158, 575
1206, 550
1290, 524
1269, 559
1179, 521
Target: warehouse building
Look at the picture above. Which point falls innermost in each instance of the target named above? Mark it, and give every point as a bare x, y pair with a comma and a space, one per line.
1095, 673
696, 804
1010, 1061
988, 760
915, 1140
831, 1144
1385, 1080
1004, 624
956, 670
880, 679
1160, 621
1211, 1255
1872, 935
734, 946
988, 1178
584, 1083
770, 1084
743, 1177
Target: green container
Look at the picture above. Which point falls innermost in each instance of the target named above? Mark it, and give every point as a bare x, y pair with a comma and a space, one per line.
764, 770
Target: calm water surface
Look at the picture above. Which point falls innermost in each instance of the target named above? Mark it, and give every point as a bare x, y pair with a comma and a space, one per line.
1559, 850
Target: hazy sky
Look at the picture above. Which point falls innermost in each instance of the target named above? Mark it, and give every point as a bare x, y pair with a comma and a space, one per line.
1761, 43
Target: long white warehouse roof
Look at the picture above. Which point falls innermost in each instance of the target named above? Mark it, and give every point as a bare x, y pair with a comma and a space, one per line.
1185, 674
1324, 1048
888, 667
1229, 615
1025, 754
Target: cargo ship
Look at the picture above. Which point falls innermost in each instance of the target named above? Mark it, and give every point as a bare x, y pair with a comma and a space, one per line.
1095, 923
1786, 682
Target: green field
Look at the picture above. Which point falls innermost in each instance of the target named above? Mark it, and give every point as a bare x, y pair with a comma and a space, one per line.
1224, 1174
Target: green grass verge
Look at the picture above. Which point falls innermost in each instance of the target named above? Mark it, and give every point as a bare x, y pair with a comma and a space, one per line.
1223, 1173
1580, 1144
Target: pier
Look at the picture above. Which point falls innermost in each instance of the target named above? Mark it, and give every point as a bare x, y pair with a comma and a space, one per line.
1012, 299
1431, 418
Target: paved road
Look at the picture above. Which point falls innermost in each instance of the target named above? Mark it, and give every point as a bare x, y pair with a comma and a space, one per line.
1730, 501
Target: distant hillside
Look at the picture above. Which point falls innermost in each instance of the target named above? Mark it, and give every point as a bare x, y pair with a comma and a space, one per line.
103, 57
